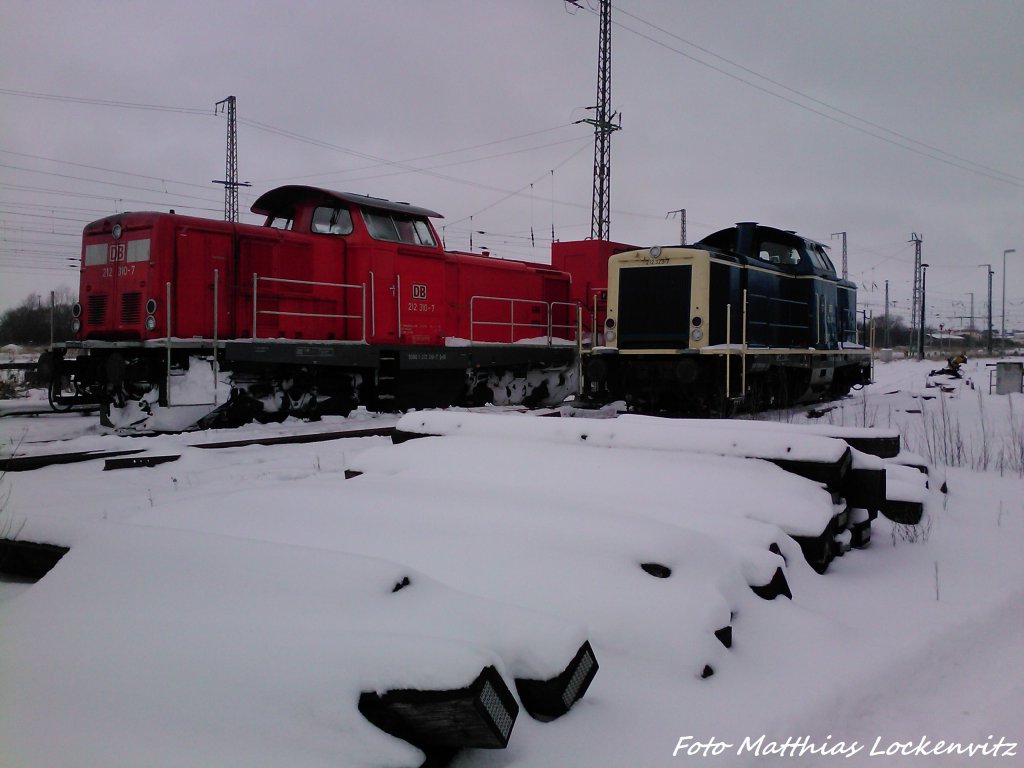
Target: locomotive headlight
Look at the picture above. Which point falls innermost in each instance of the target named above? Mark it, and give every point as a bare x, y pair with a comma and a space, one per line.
151, 307
609, 335
150, 323
76, 310
696, 334
76, 325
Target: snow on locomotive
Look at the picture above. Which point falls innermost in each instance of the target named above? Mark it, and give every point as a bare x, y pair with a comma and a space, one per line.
750, 316
337, 300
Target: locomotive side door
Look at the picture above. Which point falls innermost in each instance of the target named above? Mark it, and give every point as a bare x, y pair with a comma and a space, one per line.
201, 266
561, 315
420, 289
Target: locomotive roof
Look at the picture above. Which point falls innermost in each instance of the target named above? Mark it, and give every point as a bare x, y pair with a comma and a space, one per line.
282, 200
762, 229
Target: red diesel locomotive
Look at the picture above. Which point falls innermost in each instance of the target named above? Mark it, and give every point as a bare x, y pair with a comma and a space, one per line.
337, 300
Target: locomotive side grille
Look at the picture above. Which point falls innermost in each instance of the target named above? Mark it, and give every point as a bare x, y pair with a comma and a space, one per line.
96, 309
654, 307
131, 306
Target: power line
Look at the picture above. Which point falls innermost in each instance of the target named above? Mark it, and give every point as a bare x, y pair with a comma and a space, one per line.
118, 184
101, 168
445, 153
104, 102
929, 152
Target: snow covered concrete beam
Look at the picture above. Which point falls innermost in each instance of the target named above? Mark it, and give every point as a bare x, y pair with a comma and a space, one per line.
906, 491
774, 588
29, 559
549, 699
865, 488
903, 512
860, 528
481, 715
820, 550
819, 458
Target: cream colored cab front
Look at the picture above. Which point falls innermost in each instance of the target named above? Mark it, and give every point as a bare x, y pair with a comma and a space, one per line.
658, 300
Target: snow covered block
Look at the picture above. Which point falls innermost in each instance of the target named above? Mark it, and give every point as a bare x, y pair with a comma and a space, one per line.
820, 550
774, 588
725, 438
906, 491
831, 474
883, 443
903, 512
549, 699
865, 488
860, 528
778, 584
724, 635
30, 559
481, 715
821, 459
907, 459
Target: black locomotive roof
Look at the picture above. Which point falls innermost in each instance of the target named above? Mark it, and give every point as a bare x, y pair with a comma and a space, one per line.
730, 238
282, 200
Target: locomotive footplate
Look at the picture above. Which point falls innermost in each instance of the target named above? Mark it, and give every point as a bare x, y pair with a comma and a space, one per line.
366, 356
298, 352
486, 356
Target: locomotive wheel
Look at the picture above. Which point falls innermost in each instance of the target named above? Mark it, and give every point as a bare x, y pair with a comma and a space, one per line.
57, 400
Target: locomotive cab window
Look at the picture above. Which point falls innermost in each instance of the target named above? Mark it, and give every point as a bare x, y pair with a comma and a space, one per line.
821, 260
398, 228
778, 253
279, 222
331, 221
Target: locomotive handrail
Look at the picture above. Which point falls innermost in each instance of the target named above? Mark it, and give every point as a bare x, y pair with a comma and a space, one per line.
255, 311
569, 305
547, 325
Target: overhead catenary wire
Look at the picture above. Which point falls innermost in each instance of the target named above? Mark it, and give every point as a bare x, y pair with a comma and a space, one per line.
874, 130
986, 170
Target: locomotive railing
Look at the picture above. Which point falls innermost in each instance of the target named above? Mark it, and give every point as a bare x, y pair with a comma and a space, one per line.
547, 326
361, 317
570, 313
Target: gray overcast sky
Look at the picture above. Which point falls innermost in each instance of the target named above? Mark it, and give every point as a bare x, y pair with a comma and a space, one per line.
737, 110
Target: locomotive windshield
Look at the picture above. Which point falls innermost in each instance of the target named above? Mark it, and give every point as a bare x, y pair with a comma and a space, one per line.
398, 228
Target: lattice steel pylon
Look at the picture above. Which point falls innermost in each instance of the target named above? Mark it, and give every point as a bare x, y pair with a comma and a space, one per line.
604, 125
916, 310
230, 180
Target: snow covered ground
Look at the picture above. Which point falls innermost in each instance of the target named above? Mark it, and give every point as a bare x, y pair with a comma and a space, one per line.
229, 608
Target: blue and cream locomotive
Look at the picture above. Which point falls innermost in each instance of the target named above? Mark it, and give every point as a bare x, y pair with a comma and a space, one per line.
751, 316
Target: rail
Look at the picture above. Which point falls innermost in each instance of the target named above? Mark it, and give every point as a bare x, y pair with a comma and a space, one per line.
361, 287
547, 326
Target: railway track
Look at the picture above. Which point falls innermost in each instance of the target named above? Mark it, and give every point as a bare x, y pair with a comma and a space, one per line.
128, 458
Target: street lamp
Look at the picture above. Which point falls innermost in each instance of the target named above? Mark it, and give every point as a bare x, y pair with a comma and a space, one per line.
920, 336
1002, 322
